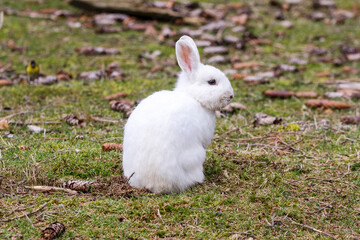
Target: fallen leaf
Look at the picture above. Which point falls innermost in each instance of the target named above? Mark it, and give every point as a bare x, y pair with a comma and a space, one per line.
215, 50
90, 51
63, 76
6, 82
251, 64
264, 119
238, 76
23, 147
46, 80
4, 124
241, 19
93, 75
323, 74
351, 120
35, 129
156, 68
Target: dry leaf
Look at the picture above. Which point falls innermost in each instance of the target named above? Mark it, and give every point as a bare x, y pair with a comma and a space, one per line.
237, 76
317, 103
63, 76
351, 120
93, 75
111, 146
323, 74
90, 51
5, 82
23, 147
251, 64
4, 124
264, 119
156, 68
241, 19
215, 50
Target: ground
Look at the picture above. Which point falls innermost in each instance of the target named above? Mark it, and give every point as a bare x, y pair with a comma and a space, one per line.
297, 181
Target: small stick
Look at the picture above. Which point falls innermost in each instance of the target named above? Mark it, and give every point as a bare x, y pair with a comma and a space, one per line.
50, 188
312, 228
14, 114
1, 18
98, 119
24, 215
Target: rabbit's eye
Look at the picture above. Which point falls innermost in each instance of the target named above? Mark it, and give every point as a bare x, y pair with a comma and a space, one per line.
212, 82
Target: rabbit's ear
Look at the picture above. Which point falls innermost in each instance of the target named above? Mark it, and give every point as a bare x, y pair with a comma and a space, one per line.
187, 54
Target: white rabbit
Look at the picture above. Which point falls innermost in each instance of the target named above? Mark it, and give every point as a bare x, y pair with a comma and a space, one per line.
166, 136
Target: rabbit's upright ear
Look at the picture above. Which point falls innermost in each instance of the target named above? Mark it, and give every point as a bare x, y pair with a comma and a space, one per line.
187, 55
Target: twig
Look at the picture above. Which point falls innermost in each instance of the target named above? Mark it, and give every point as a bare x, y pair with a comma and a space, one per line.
312, 228
50, 188
33, 123
14, 114
24, 215
1, 18
98, 119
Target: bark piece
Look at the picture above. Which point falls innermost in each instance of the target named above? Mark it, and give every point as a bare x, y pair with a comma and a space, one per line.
264, 119
111, 146
53, 231
318, 103
351, 120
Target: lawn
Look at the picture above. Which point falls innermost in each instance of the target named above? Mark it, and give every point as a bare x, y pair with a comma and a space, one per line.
299, 179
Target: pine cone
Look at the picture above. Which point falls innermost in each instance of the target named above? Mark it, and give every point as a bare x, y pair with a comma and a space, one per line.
278, 94
111, 146
121, 107
116, 96
317, 103
53, 231
306, 94
351, 120
83, 186
72, 119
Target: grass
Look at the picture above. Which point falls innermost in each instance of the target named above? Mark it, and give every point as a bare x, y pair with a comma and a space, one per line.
252, 189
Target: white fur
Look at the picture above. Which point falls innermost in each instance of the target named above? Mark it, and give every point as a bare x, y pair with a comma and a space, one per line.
166, 136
